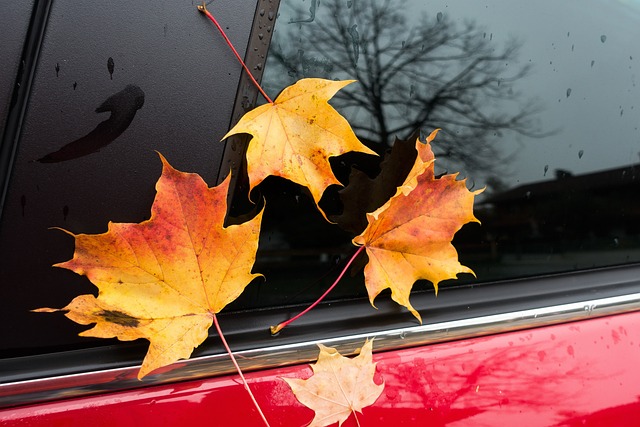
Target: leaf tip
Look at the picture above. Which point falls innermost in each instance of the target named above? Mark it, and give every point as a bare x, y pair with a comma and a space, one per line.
46, 310
432, 135
415, 314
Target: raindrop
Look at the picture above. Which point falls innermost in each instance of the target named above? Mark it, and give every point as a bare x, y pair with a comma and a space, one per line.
260, 36
528, 194
592, 62
491, 36
57, 69
270, 16
568, 33
439, 16
262, 12
403, 43
621, 112
403, 335
110, 66
580, 154
546, 169
258, 67
573, 47
65, 212
23, 203
616, 242
603, 38
75, 85
568, 92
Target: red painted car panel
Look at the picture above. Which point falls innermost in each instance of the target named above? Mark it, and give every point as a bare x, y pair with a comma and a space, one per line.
573, 374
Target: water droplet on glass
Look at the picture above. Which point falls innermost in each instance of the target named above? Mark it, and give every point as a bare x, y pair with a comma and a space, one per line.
439, 16
527, 194
110, 67
262, 12
270, 16
592, 62
403, 43
603, 38
568, 92
580, 154
260, 36
616, 242
403, 335
546, 168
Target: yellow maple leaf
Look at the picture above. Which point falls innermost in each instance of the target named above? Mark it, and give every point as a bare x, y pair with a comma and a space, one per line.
339, 386
409, 237
295, 136
165, 278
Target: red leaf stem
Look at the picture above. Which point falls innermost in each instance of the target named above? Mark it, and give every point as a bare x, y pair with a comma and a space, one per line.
280, 326
203, 8
235, 363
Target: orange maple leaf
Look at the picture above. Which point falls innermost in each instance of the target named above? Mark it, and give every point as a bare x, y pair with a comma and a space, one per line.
165, 278
339, 385
409, 237
295, 136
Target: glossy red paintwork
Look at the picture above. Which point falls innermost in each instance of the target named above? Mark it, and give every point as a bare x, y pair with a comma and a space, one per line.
576, 374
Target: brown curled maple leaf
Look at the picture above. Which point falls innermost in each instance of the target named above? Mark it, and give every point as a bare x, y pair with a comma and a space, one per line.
295, 136
363, 194
339, 386
409, 237
165, 278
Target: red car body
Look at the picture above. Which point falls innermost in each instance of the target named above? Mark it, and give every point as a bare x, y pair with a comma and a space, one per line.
573, 374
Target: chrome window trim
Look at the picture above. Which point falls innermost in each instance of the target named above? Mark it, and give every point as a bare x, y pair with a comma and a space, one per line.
111, 380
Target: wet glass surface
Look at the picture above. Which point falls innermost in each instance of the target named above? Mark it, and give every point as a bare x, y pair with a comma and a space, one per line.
537, 102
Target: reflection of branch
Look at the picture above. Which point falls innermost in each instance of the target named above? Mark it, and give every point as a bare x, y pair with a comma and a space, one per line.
312, 14
435, 74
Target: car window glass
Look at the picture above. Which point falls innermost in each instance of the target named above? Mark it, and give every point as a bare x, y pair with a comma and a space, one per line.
537, 103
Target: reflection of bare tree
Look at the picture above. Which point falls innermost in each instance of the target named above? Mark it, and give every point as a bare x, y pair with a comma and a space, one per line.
435, 73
